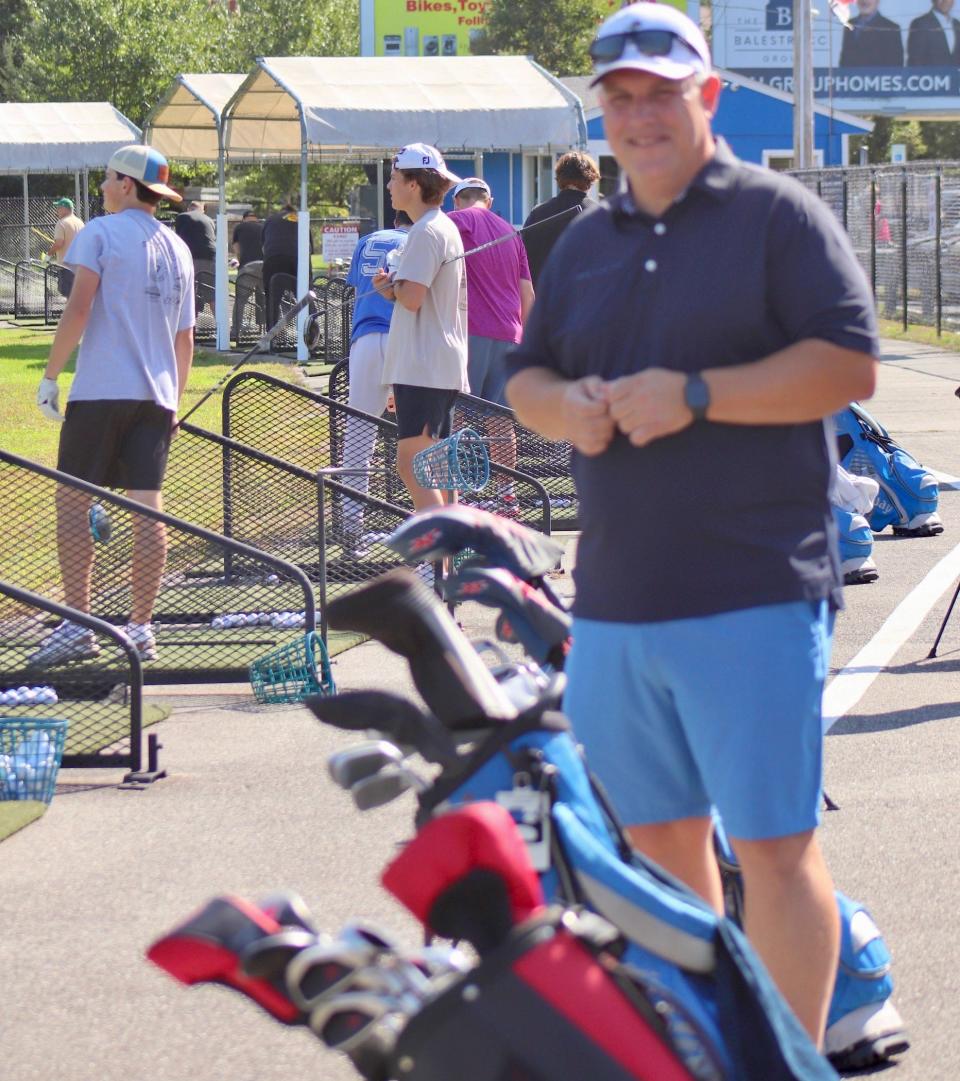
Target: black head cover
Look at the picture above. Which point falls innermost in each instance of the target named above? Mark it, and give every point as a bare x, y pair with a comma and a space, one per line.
542, 628
498, 541
404, 614
397, 718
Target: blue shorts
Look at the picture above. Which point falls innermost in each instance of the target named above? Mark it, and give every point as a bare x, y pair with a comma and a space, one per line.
720, 710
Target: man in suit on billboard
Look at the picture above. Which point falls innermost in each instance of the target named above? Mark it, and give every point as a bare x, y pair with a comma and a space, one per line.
871, 41
934, 38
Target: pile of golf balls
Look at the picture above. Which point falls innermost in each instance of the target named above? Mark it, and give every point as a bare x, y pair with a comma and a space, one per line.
25, 773
28, 696
242, 619
282, 620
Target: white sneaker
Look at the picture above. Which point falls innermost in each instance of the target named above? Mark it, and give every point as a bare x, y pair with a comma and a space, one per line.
141, 635
67, 642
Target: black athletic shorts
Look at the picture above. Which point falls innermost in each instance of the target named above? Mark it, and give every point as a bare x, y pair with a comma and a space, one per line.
116, 443
423, 407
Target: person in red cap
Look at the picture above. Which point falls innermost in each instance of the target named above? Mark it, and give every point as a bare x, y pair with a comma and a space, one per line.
132, 312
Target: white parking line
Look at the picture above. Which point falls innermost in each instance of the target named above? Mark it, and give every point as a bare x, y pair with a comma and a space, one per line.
850, 684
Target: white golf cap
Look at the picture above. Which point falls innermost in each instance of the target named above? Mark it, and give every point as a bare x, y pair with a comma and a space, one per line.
422, 156
649, 37
147, 165
472, 182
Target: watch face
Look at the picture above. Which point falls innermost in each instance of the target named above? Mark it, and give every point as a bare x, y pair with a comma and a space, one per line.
697, 395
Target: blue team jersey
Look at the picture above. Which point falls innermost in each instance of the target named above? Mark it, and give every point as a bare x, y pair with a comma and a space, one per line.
372, 312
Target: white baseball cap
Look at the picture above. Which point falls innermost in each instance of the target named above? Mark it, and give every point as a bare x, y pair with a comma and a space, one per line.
422, 156
472, 182
147, 165
649, 37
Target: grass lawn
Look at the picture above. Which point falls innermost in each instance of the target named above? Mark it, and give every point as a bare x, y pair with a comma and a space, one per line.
15, 814
890, 328
23, 355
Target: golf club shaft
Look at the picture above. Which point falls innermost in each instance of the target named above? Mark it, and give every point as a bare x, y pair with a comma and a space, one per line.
509, 236
282, 323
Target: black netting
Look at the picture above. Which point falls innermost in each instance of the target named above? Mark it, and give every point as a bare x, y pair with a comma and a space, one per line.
904, 224
29, 288
540, 460
100, 699
204, 578
333, 317
8, 273
275, 505
318, 432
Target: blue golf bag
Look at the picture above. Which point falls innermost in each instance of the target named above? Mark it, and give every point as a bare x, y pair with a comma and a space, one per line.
909, 494
856, 547
863, 1025
721, 1007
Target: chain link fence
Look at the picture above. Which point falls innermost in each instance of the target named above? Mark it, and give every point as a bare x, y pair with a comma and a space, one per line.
904, 223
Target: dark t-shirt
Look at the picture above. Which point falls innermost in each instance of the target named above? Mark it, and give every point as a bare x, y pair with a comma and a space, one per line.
197, 232
280, 235
716, 517
248, 237
539, 242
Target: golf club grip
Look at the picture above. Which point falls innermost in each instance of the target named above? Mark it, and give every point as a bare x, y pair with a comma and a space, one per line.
281, 324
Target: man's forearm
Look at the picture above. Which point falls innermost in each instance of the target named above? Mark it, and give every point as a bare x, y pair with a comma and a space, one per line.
536, 395
804, 382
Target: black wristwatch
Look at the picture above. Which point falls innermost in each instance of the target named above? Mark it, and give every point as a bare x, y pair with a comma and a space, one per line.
696, 394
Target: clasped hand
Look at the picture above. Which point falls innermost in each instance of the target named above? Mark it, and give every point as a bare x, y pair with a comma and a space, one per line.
644, 407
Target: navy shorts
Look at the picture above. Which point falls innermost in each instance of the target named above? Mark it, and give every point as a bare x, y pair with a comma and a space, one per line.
116, 443
420, 408
719, 711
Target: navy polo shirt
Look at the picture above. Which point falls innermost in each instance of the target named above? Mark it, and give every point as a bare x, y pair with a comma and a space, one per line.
716, 517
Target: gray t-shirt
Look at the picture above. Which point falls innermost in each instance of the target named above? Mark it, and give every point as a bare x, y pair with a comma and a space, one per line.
145, 297
428, 347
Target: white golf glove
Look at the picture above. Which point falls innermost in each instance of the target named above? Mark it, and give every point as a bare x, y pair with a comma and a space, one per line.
48, 399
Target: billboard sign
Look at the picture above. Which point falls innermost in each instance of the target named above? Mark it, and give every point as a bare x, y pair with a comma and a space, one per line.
904, 58
427, 27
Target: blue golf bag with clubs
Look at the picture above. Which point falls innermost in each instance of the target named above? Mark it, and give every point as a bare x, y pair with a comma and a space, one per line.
909, 494
723, 1011
863, 1025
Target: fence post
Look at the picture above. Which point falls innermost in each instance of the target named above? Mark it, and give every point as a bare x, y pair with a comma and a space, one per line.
903, 246
937, 256
873, 235
843, 195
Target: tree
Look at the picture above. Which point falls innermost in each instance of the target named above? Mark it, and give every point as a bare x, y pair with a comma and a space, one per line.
15, 17
556, 33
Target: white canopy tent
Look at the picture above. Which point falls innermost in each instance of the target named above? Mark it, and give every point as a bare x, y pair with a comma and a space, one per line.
187, 124
60, 137
361, 109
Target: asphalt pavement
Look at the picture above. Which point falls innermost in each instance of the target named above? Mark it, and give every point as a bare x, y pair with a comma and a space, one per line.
247, 808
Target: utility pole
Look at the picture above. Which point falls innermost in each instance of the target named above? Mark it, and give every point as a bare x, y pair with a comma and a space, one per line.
802, 85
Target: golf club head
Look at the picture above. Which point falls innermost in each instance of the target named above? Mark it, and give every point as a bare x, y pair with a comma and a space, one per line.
269, 958
329, 966
345, 1022
384, 787
397, 718
289, 910
351, 765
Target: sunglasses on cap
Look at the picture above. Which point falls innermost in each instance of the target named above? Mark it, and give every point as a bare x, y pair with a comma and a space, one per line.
648, 42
